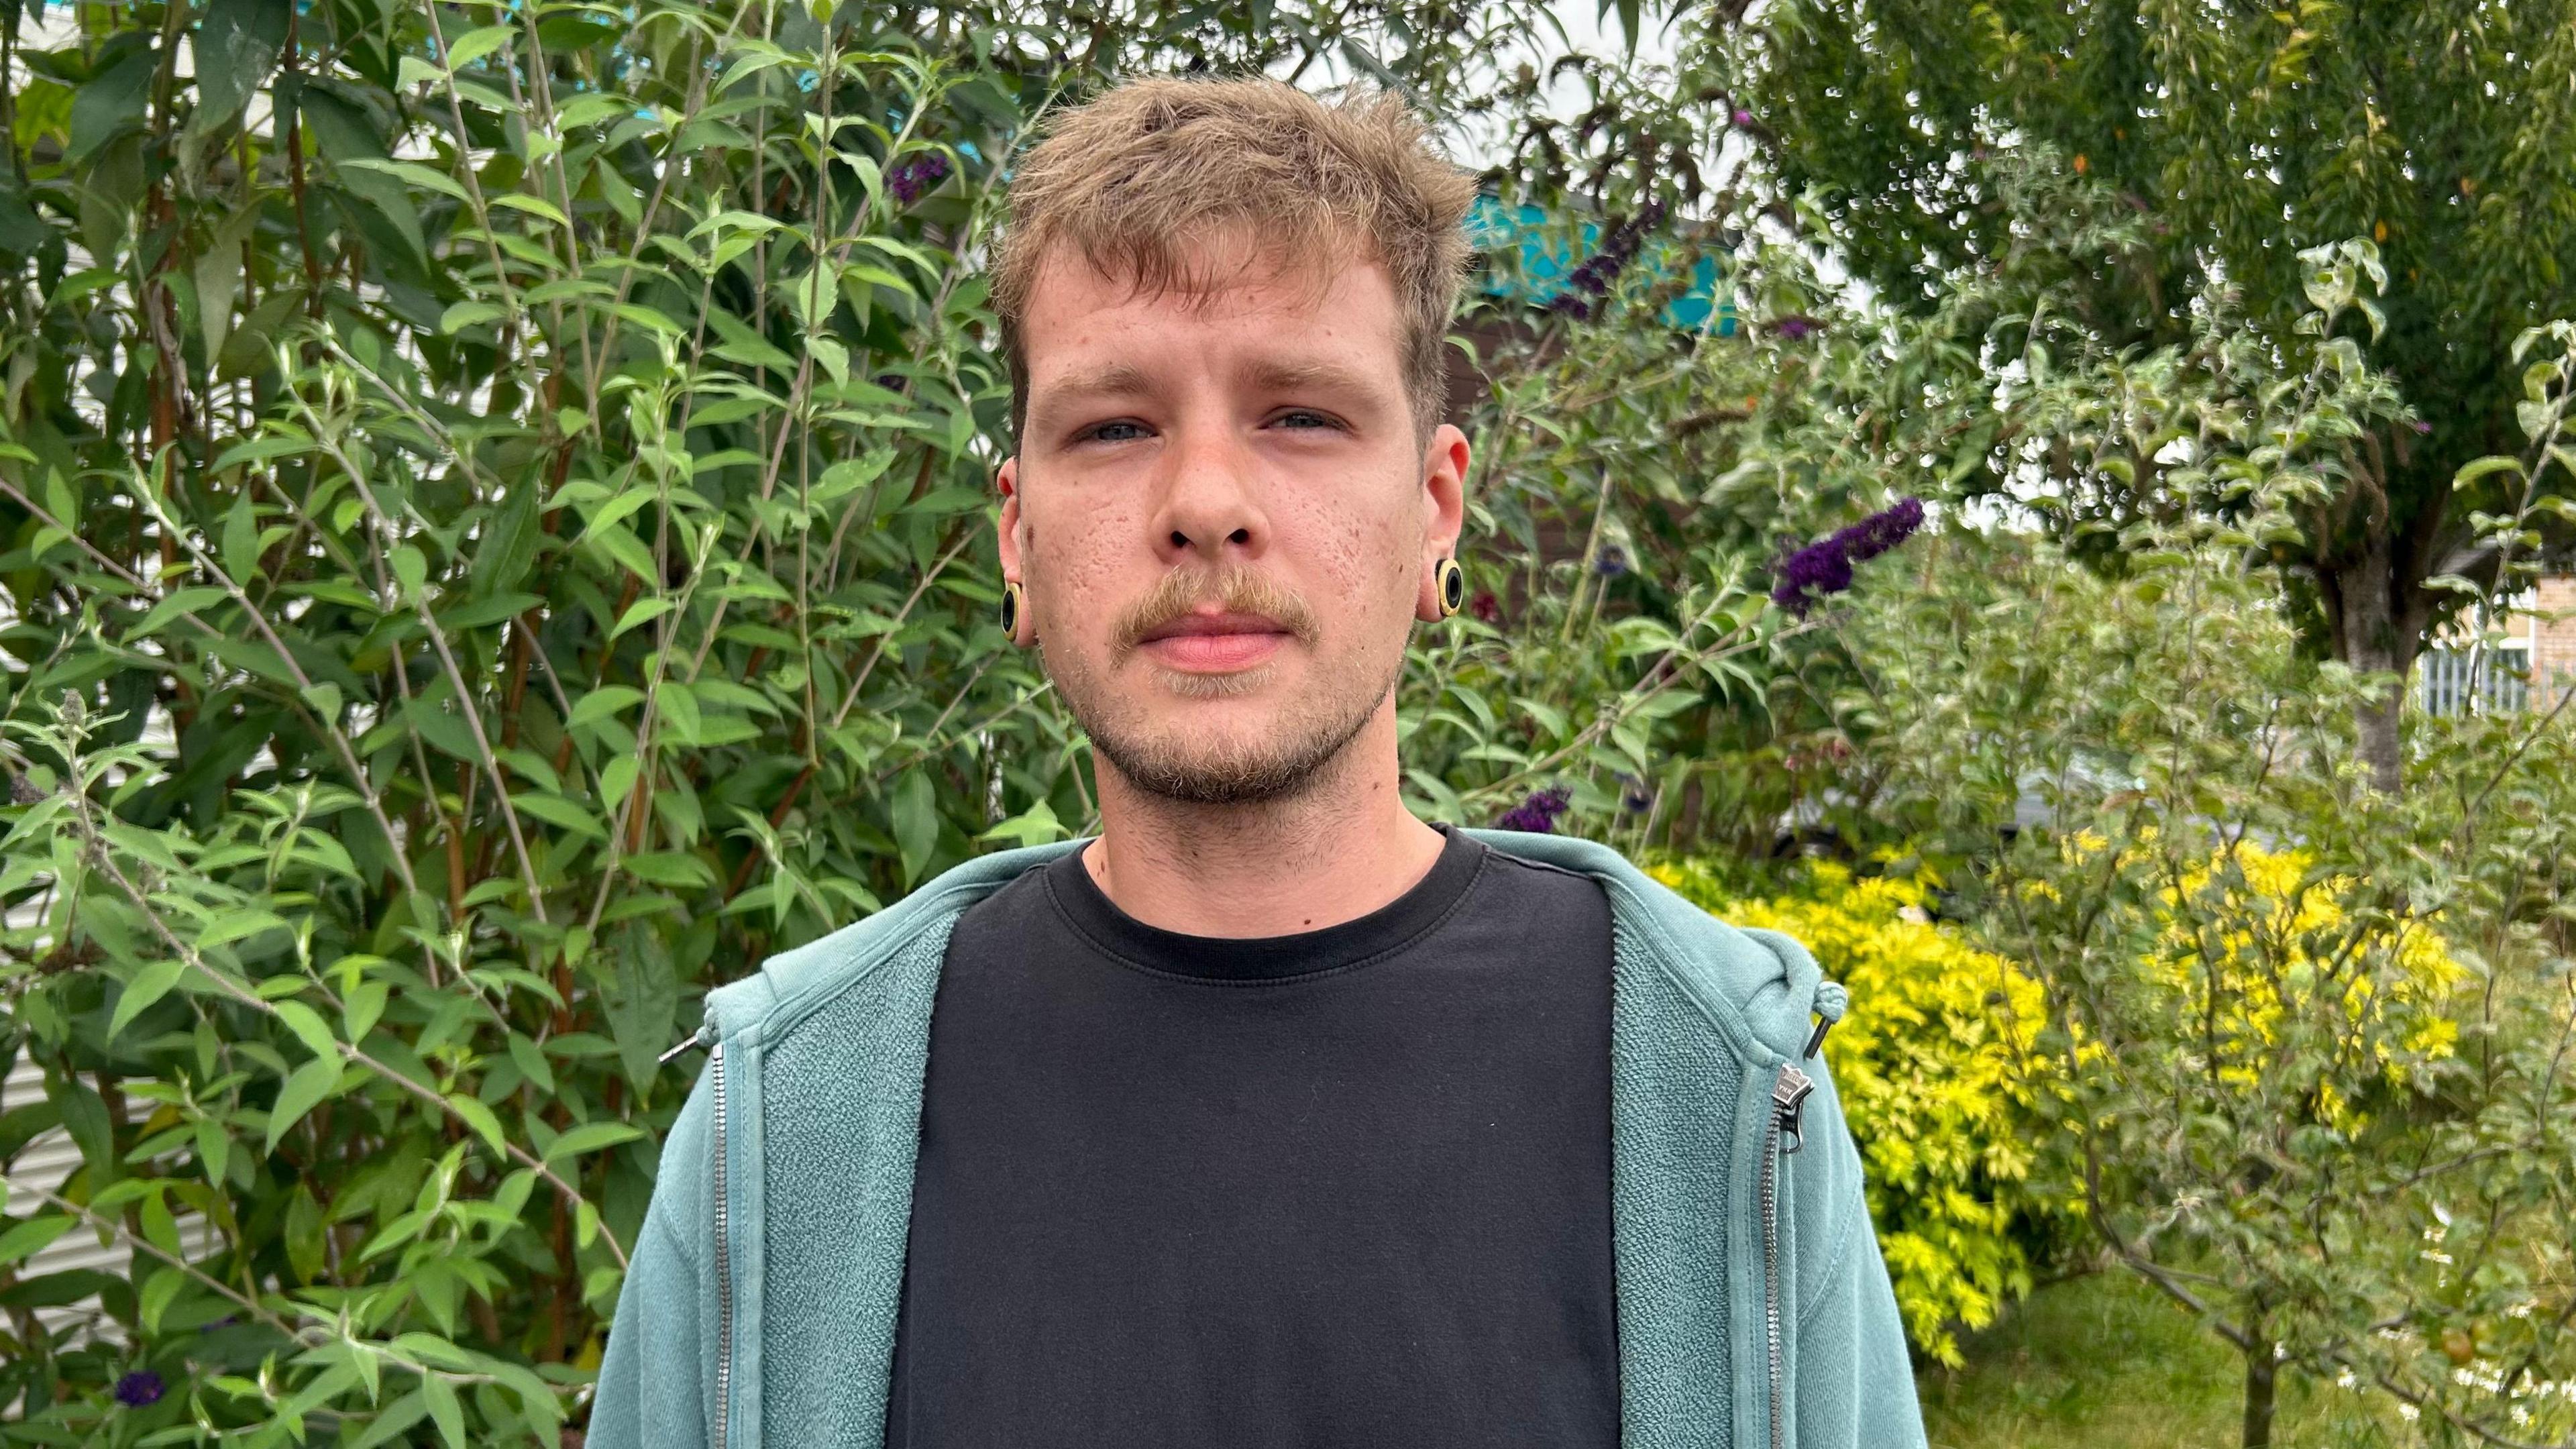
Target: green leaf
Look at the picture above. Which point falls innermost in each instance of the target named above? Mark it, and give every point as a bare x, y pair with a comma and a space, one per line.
309, 1028
462, 315
591, 1137
1034, 826
679, 711
916, 822
84, 1117
109, 103
148, 986
669, 868
556, 810
644, 611
2479, 468
415, 174
641, 992
214, 1149
411, 569
538, 206
306, 1252
236, 46
240, 547
398, 1416
347, 131
480, 1118
237, 924
27, 1237
473, 45
532, 1063
444, 1410
483, 613
158, 1294
606, 702
303, 1091
181, 601
364, 1003
445, 732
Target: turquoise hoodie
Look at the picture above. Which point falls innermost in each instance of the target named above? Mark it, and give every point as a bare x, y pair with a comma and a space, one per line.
1754, 1311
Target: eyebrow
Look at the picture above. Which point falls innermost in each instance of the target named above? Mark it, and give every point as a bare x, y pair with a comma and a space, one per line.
1306, 375
1116, 379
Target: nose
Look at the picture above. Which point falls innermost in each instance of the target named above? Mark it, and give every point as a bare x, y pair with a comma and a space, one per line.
1210, 508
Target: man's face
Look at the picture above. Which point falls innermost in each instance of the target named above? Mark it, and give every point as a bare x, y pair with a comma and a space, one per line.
1225, 519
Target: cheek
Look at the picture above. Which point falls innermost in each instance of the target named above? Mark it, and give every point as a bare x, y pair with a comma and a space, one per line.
1078, 563
1365, 558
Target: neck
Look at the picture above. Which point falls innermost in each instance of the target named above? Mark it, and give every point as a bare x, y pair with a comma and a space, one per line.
1332, 852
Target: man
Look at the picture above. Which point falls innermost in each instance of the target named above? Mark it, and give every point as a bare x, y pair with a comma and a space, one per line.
1273, 1115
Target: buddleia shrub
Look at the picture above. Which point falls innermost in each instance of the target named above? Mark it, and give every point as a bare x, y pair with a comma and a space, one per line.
1936, 1065
495, 503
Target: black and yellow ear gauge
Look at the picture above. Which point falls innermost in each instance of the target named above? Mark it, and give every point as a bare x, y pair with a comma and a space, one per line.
1453, 587
1013, 602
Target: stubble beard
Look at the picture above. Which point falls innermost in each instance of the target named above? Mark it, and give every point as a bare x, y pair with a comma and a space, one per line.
1166, 762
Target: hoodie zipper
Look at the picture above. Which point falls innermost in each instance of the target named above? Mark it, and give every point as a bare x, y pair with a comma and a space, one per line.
1789, 1091
724, 1265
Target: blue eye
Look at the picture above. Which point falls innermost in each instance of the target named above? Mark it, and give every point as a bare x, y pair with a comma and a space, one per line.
1304, 420
1121, 431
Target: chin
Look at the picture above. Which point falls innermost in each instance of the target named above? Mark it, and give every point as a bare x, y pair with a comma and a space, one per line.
1217, 752
1232, 684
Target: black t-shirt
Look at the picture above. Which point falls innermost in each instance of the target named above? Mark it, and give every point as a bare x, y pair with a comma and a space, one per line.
1348, 1187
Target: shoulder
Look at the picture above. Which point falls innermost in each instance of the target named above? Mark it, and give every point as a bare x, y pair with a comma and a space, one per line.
1758, 987
791, 984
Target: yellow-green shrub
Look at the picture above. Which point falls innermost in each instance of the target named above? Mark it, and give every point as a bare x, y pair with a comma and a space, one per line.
2254, 934
1938, 1079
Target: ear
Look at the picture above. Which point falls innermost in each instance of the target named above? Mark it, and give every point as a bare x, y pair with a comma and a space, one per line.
1444, 514
1009, 529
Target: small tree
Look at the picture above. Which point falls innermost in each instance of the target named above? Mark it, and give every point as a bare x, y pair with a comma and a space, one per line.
2247, 134
2133, 788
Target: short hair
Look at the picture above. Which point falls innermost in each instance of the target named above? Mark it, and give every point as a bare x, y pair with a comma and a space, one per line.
1131, 179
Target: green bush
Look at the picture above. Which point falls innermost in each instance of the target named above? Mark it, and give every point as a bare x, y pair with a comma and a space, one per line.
495, 503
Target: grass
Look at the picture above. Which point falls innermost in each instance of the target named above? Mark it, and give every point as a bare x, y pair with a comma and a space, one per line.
2105, 1362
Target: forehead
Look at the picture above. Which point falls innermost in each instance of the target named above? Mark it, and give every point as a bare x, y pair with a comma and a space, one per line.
1223, 304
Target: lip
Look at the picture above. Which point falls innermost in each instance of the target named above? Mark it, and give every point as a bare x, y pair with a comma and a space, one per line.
1211, 643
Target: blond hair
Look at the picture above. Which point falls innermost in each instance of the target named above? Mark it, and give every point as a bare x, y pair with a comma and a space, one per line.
1131, 180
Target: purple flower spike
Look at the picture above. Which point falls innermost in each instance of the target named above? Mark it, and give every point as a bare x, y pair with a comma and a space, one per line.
917, 174
1797, 328
1598, 271
1824, 567
139, 1388
1537, 814
1742, 117
1634, 797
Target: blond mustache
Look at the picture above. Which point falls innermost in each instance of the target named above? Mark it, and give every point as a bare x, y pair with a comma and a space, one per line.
1232, 588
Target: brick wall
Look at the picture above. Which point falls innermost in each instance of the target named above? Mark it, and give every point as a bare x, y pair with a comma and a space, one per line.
2553, 639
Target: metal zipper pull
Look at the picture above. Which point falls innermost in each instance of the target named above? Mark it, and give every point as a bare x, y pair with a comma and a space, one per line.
1816, 1038
1789, 1093
703, 1036
1831, 1002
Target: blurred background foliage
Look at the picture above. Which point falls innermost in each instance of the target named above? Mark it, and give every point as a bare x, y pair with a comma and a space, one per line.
495, 509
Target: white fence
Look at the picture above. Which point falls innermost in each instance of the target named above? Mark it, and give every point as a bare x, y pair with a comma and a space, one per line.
2503, 683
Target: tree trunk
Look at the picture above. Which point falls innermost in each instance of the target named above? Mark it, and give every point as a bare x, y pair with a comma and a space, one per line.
2370, 566
2369, 642
2261, 1378
2378, 623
